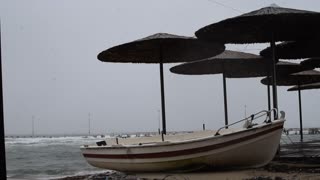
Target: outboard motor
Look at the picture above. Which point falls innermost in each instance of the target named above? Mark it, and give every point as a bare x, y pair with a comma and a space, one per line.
282, 115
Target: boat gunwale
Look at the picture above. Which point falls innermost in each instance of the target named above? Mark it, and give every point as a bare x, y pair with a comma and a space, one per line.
170, 143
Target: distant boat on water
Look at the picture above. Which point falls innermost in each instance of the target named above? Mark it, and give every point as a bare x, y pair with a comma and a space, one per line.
253, 145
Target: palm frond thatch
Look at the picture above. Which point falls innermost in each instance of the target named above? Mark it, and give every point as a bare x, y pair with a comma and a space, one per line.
311, 63
305, 87
294, 50
257, 26
235, 65
300, 78
161, 46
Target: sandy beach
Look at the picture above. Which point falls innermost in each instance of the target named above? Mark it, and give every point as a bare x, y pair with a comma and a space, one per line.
276, 170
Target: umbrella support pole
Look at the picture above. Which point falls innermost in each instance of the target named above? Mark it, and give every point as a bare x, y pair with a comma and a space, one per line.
274, 77
163, 108
3, 169
300, 114
225, 99
269, 100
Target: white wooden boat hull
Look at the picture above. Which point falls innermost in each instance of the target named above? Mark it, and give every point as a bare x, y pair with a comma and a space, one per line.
247, 148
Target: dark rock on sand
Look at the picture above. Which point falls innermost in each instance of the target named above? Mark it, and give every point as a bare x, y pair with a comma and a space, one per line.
264, 178
102, 176
259, 178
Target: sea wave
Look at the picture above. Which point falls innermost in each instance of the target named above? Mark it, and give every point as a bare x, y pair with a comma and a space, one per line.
32, 141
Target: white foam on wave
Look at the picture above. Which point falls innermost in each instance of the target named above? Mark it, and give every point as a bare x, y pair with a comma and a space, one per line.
38, 141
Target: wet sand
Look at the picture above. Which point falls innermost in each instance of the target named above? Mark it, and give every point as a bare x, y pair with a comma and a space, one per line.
276, 170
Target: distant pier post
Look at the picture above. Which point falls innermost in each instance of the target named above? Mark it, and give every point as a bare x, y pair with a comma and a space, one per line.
300, 114
3, 169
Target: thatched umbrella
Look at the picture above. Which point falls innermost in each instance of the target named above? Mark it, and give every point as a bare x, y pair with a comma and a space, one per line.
233, 64
284, 68
294, 49
268, 24
3, 169
162, 48
260, 26
227, 63
305, 87
311, 63
300, 78
236, 65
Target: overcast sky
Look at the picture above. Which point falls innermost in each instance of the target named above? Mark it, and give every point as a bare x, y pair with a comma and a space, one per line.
50, 69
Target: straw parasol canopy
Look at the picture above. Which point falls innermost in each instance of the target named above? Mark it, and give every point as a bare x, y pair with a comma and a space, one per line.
164, 47
227, 63
284, 68
311, 63
294, 49
256, 26
236, 65
299, 88
300, 78
304, 77
305, 87
233, 64
269, 24
161, 48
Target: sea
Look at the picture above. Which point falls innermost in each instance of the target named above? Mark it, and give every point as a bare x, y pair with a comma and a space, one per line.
51, 157
48, 157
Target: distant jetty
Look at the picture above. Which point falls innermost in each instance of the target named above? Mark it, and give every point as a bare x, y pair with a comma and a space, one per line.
304, 131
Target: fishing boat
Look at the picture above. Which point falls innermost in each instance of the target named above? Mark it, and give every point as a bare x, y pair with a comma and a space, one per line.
252, 145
